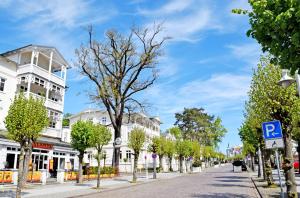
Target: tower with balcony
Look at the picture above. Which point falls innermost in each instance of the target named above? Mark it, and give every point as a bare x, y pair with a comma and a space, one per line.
41, 72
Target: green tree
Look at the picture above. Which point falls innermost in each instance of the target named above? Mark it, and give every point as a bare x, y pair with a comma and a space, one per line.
207, 153
182, 150
275, 24
25, 120
137, 138
66, 120
194, 124
176, 132
120, 67
100, 136
217, 131
270, 101
158, 146
170, 151
81, 140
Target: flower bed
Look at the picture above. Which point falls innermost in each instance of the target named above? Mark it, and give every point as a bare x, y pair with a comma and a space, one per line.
6, 176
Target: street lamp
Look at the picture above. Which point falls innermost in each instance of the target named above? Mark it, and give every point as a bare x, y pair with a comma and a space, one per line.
286, 80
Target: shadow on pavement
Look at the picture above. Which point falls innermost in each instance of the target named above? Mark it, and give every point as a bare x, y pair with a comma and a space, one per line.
232, 180
221, 195
229, 185
232, 177
10, 193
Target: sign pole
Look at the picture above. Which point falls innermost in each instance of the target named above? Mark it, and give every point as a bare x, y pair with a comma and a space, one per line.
278, 171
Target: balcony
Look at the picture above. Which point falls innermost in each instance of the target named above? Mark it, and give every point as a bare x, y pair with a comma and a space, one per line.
50, 103
23, 69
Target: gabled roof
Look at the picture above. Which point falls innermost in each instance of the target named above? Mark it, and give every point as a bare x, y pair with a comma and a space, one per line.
58, 54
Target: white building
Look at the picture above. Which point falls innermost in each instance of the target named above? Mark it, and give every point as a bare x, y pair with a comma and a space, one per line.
151, 125
39, 71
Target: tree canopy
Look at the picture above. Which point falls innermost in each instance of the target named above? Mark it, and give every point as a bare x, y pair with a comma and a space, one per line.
275, 24
26, 119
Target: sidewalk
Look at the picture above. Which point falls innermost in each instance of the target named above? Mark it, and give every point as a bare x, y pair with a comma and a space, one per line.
272, 192
71, 189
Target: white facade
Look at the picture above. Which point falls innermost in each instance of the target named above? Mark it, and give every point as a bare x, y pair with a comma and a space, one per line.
38, 71
150, 125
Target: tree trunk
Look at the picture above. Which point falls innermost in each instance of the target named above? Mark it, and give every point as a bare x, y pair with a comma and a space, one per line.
252, 163
80, 178
116, 152
160, 163
260, 165
134, 175
268, 168
180, 164
263, 163
288, 168
170, 164
20, 172
27, 160
98, 171
154, 168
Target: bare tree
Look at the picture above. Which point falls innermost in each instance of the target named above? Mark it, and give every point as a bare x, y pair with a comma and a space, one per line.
121, 66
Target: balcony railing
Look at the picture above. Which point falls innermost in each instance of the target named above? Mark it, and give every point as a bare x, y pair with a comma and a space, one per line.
49, 103
41, 72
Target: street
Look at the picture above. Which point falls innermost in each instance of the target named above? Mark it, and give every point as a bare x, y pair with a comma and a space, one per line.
214, 182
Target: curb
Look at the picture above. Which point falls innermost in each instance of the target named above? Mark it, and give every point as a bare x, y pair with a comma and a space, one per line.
257, 191
124, 186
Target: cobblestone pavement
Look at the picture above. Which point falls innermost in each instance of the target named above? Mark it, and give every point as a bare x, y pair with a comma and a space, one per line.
212, 183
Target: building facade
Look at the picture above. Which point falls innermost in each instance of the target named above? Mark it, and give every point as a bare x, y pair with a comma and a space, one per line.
151, 125
38, 71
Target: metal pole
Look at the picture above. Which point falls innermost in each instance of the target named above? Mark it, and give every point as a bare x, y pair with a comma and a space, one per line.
278, 171
146, 167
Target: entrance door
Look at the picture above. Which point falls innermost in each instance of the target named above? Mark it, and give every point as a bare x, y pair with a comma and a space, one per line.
53, 172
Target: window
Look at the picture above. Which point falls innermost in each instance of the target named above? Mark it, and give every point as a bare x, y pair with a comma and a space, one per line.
55, 88
104, 120
23, 88
128, 154
2, 84
53, 117
39, 82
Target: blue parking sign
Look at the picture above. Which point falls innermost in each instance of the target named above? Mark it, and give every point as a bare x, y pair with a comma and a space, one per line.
272, 129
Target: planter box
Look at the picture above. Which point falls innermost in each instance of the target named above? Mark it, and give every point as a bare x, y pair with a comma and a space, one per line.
237, 168
197, 169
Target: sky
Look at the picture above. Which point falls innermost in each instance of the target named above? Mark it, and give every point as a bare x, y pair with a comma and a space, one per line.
208, 62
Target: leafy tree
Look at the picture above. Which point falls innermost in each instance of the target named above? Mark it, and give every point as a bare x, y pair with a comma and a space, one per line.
194, 123
217, 131
120, 67
182, 150
158, 145
66, 120
25, 120
270, 101
81, 135
170, 151
136, 141
207, 153
176, 132
275, 24
100, 136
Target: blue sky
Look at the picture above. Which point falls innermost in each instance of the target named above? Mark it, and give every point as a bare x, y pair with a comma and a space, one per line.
208, 63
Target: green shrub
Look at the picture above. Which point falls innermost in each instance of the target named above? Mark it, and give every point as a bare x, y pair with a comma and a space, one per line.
197, 163
103, 170
216, 162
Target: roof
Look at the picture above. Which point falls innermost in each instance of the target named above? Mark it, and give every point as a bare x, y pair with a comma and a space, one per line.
60, 56
42, 139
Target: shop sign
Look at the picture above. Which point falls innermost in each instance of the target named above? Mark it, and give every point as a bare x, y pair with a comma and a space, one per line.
42, 145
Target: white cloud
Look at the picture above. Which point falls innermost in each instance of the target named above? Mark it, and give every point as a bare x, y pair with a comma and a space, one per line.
5, 3
217, 94
247, 52
183, 20
56, 22
171, 7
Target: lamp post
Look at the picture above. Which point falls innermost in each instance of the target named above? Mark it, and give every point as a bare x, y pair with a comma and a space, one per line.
285, 82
